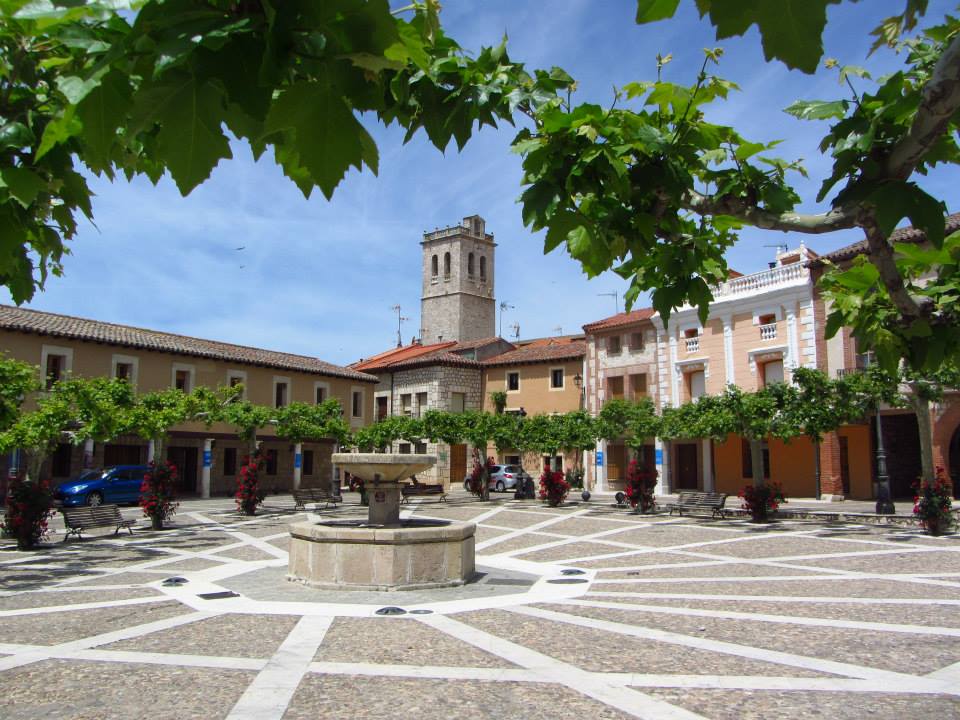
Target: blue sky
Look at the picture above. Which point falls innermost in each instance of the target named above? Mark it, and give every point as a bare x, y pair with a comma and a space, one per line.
319, 278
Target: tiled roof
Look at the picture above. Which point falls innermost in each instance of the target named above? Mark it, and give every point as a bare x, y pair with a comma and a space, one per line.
443, 357
624, 318
473, 344
539, 353
908, 234
556, 340
395, 355
65, 326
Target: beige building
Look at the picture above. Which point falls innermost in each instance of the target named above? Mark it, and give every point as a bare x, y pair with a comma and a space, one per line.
61, 345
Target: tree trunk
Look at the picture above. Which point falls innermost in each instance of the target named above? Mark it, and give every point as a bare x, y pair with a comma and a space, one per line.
756, 461
921, 406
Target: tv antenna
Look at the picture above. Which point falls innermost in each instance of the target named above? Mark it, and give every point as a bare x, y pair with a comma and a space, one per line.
516, 330
504, 306
400, 319
558, 330
781, 247
616, 299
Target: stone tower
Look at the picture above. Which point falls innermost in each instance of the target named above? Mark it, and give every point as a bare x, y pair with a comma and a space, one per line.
458, 272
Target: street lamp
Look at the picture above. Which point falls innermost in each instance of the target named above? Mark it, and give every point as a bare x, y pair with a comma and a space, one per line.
884, 499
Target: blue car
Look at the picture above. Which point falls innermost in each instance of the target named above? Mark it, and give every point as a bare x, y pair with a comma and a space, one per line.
120, 484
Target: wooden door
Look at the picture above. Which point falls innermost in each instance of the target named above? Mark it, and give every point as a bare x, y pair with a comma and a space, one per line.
845, 465
458, 464
185, 458
687, 475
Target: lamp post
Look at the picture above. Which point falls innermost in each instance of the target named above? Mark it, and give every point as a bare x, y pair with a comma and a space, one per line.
884, 500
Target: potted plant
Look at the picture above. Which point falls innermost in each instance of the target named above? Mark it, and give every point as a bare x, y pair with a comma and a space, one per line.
933, 502
248, 494
28, 507
760, 501
158, 493
499, 400
639, 489
553, 488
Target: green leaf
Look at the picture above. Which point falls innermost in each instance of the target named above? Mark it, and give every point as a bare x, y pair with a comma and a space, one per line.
896, 200
22, 183
15, 135
653, 10
817, 109
59, 130
329, 138
102, 112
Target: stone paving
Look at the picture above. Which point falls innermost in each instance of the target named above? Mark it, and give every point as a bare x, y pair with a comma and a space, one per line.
667, 618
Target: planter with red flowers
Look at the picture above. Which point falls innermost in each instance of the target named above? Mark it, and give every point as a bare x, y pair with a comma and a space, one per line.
639, 488
29, 505
761, 501
158, 493
933, 503
248, 494
553, 487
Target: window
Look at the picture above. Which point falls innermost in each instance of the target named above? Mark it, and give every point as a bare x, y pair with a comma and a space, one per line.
615, 388
61, 460
767, 319
470, 264
125, 368
183, 377
321, 392
556, 378
56, 367
613, 345
638, 386
458, 402
511, 460
281, 392
446, 266
406, 404
636, 341
697, 384
772, 372
483, 268
421, 404
229, 462
382, 407
404, 448
554, 462
434, 269
692, 339
238, 377
55, 362
420, 448
308, 462
356, 404
271, 458
513, 381
747, 469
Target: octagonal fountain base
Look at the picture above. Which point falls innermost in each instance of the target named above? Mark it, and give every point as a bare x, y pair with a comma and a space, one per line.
361, 556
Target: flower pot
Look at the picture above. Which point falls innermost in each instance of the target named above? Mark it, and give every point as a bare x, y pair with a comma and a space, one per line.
935, 526
156, 522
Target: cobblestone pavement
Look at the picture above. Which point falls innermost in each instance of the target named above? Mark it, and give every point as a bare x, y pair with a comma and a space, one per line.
668, 618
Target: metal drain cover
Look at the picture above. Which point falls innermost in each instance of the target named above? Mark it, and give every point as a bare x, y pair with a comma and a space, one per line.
421, 612
391, 611
218, 595
567, 581
572, 571
174, 581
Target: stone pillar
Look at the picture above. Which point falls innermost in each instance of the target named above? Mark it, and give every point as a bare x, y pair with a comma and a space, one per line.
602, 469
88, 453
706, 446
151, 451
831, 478
297, 465
666, 482
384, 503
207, 464
660, 464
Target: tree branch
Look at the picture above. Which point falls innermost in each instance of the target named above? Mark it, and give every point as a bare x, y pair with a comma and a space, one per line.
941, 100
881, 256
836, 219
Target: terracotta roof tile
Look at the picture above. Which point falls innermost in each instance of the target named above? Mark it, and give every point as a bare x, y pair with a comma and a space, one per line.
624, 318
66, 326
908, 234
539, 353
442, 357
395, 355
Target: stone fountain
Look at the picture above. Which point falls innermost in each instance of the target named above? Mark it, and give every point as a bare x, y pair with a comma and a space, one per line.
385, 552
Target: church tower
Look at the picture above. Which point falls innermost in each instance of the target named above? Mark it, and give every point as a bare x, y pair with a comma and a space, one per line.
458, 302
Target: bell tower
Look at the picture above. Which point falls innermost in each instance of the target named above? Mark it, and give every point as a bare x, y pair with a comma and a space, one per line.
457, 302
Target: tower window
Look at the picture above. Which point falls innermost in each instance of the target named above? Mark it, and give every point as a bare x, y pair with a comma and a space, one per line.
446, 265
434, 269
470, 264
483, 268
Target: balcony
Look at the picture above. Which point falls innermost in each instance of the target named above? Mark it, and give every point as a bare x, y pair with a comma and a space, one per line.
783, 276
692, 344
768, 332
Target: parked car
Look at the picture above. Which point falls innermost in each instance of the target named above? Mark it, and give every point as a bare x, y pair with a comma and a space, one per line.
502, 478
120, 484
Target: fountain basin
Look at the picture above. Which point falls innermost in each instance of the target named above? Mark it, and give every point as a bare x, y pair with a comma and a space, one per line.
348, 555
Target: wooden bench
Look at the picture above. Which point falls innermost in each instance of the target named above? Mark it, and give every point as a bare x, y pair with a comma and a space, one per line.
421, 490
314, 495
78, 519
699, 501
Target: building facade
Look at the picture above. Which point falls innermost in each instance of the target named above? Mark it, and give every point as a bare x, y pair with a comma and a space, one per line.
207, 458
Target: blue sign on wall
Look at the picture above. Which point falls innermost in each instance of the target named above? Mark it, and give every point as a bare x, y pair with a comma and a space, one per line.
207, 458
658, 456
296, 460
599, 458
